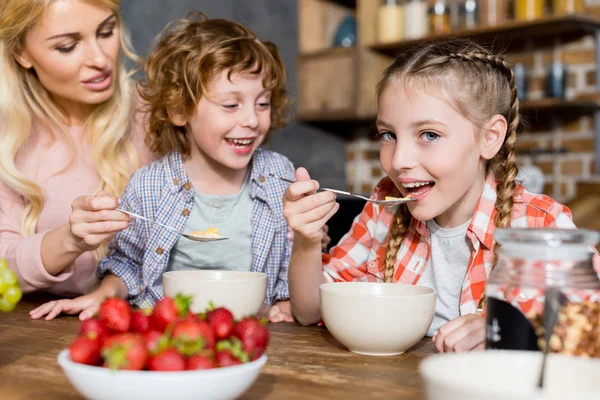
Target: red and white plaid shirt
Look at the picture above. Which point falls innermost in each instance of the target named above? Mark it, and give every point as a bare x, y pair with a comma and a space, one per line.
363, 248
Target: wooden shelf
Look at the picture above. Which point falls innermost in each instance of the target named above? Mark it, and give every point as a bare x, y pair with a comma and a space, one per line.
345, 3
329, 52
527, 108
508, 34
533, 108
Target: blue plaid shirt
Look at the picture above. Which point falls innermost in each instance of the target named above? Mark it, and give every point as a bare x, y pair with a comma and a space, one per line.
161, 191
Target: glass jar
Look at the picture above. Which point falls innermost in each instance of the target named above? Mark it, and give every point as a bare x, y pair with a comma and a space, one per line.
439, 18
415, 19
567, 6
390, 18
492, 12
468, 16
530, 261
527, 10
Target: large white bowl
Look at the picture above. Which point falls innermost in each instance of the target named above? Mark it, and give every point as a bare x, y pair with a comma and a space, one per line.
378, 319
509, 375
97, 383
242, 293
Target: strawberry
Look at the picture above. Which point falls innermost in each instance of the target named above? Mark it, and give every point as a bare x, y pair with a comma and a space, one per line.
85, 350
93, 329
169, 310
200, 361
226, 359
229, 352
167, 360
155, 341
190, 337
115, 314
253, 335
140, 321
193, 317
221, 321
125, 351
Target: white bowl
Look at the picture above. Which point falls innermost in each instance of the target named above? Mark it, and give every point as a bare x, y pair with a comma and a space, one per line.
509, 375
97, 383
242, 293
378, 319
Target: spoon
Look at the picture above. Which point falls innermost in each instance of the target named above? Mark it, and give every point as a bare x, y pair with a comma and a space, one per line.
553, 302
185, 235
360, 196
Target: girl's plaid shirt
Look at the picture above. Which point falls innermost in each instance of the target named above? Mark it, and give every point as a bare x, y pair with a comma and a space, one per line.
363, 248
161, 191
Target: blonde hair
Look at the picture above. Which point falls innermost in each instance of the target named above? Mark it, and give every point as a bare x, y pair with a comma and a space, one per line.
481, 85
23, 99
187, 54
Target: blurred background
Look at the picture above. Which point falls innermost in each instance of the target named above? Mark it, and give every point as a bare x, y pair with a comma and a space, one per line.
335, 52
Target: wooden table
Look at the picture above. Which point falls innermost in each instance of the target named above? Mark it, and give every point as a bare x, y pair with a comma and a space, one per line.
304, 363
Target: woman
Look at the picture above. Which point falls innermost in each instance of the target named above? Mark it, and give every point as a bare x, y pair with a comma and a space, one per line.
65, 132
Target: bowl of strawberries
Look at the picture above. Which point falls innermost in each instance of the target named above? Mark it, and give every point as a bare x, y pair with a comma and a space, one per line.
165, 352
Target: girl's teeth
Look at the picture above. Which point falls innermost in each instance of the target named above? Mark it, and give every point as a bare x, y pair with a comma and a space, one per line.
415, 184
98, 80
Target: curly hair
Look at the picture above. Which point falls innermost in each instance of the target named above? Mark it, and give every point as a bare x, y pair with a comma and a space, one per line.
187, 55
482, 85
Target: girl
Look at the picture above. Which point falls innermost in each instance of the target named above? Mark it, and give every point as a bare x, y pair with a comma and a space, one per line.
65, 132
447, 121
214, 91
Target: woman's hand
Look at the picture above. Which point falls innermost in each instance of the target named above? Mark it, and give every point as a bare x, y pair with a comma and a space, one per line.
94, 219
87, 305
464, 333
307, 211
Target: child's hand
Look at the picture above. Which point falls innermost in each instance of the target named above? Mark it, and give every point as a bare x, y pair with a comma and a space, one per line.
87, 306
325, 240
464, 333
305, 210
94, 219
280, 312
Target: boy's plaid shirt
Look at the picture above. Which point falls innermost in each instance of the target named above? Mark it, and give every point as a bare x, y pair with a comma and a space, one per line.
162, 192
364, 246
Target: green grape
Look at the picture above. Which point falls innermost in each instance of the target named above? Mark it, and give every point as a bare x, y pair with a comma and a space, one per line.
3, 264
3, 286
13, 294
9, 277
5, 306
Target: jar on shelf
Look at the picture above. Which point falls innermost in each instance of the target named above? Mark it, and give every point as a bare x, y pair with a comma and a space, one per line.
390, 19
439, 17
527, 10
532, 262
415, 19
492, 12
567, 6
468, 15
556, 81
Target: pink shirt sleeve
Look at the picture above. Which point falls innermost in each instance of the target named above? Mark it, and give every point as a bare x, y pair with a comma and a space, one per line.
24, 255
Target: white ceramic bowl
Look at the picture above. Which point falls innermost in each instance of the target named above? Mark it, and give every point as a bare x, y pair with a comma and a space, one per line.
241, 292
509, 375
97, 383
378, 319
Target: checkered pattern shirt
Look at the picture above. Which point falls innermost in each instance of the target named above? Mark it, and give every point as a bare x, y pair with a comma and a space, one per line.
162, 192
363, 248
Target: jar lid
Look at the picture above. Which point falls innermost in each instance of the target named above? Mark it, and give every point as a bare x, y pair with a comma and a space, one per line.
547, 243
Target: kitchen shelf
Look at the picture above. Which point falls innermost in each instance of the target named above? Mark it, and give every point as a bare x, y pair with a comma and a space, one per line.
510, 33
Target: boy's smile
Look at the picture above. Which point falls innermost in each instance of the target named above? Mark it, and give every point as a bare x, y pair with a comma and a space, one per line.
231, 121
